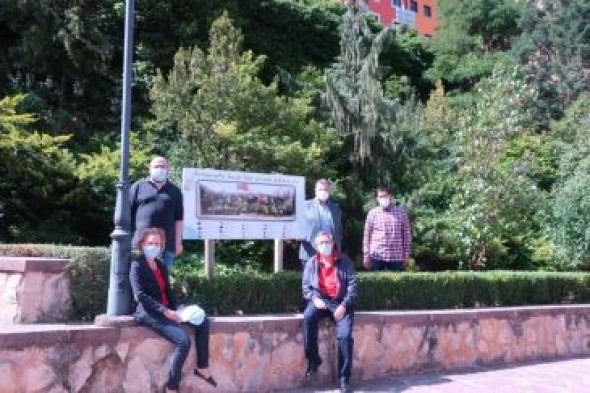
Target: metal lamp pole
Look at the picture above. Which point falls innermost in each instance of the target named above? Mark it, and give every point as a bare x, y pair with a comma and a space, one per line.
119, 300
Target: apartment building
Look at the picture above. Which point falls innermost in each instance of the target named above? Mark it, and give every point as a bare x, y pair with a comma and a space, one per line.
421, 15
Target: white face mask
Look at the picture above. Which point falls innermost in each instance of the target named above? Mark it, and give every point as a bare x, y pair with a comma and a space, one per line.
322, 195
325, 249
158, 174
384, 201
151, 251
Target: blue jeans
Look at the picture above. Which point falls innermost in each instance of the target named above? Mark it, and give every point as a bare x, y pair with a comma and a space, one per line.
168, 259
175, 334
394, 266
311, 318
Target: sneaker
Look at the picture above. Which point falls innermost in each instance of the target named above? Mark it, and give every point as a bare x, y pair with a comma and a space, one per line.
345, 386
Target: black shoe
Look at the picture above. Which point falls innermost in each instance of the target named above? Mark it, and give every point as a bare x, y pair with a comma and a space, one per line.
345, 386
210, 380
312, 369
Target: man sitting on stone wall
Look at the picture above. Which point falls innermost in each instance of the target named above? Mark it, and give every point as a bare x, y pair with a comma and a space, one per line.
329, 286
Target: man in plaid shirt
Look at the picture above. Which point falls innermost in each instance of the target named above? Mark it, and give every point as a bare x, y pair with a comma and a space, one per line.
387, 239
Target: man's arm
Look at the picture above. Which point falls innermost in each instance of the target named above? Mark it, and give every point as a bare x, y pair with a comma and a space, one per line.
178, 229
367, 240
351, 285
336, 212
407, 236
179, 217
133, 205
310, 220
308, 290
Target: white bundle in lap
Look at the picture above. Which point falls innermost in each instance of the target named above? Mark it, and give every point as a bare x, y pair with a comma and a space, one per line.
192, 314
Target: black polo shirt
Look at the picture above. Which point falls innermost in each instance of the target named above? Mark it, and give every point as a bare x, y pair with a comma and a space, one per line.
161, 208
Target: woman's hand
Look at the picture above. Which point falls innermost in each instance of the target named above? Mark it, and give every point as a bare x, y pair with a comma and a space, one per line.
319, 303
339, 312
172, 315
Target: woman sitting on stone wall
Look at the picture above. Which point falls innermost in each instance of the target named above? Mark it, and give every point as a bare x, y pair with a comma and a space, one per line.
156, 309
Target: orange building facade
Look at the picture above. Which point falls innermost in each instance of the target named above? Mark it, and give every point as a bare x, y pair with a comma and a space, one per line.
421, 15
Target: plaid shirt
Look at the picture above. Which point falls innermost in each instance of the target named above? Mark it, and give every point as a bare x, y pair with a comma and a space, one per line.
387, 234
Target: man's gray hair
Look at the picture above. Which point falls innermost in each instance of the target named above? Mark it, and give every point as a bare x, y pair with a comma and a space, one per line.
323, 233
324, 182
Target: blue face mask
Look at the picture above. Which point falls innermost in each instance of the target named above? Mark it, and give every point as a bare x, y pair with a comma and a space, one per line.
151, 251
158, 174
325, 249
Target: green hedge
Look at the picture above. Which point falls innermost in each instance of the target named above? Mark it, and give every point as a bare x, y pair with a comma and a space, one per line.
268, 293
89, 270
250, 292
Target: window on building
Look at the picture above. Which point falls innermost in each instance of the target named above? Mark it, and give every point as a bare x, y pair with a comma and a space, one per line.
396, 3
375, 16
427, 11
414, 6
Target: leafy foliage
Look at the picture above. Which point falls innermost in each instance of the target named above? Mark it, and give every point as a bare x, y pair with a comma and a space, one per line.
491, 173
225, 117
555, 48
62, 52
495, 191
37, 182
256, 293
472, 37
98, 168
570, 229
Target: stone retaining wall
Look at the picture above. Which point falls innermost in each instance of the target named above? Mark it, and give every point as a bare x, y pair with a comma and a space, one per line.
262, 354
34, 290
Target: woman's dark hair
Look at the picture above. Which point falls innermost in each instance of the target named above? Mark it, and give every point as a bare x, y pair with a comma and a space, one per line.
144, 233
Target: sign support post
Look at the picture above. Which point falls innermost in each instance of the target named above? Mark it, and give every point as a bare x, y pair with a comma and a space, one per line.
278, 255
209, 258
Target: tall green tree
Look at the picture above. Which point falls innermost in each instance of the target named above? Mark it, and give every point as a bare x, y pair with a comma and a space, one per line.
40, 192
360, 110
62, 53
496, 190
213, 111
554, 46
472, 36
569, 228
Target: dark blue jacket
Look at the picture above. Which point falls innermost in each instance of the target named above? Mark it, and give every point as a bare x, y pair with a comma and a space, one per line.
346, 274
311, 227
146, 290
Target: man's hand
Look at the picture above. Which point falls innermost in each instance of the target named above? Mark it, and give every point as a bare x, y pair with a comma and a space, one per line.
172, 315
406, 262
179, 248
319, 303
367, 263
339, 313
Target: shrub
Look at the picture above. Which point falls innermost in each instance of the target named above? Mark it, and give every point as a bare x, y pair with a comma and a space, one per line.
252, 293
247, 291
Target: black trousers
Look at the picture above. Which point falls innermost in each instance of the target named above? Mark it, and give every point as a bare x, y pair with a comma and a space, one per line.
176, 335
311, 318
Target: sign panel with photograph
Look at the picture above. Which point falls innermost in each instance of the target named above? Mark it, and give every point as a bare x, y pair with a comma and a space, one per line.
241, 205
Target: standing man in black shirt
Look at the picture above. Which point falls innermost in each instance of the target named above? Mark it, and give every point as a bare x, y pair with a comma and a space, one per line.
157, 203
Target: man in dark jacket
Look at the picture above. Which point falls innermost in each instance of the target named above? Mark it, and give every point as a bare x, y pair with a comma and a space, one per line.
321, 214
329, 286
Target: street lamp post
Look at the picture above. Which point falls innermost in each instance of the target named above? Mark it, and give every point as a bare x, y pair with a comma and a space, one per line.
119, 298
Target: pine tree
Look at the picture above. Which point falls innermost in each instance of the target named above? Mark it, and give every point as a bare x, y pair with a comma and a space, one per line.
354, 92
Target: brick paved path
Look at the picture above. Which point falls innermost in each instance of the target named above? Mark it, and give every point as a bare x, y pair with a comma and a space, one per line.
562, 376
